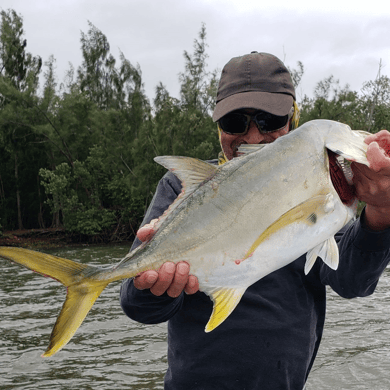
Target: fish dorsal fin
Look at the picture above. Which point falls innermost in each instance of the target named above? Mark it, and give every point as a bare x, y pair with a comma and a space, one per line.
245, 149
225, 300
327, 250
191, 171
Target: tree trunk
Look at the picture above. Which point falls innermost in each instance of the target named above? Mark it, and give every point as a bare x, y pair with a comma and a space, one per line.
41, 221
20, 223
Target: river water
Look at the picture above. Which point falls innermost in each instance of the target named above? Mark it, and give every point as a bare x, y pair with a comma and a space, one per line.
110, 351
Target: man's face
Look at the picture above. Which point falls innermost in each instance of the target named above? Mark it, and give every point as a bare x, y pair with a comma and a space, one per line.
231, 142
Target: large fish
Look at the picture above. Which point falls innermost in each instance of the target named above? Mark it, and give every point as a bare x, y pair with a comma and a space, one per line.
233, 224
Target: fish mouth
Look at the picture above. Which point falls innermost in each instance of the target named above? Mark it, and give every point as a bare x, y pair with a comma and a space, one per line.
341, 176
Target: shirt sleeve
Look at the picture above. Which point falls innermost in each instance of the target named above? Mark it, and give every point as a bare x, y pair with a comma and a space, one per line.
142, 305
364, 255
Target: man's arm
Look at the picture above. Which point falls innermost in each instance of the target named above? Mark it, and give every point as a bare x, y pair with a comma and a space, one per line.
364, 255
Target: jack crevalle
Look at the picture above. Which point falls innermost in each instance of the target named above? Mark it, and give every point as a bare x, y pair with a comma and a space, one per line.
233, 224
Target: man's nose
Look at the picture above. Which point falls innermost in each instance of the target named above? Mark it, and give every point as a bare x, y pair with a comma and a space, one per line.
253, 136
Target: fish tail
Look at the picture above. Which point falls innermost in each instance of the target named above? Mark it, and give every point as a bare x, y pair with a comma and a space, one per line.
82, 290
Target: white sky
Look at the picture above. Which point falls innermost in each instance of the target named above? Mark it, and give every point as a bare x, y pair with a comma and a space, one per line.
340, 38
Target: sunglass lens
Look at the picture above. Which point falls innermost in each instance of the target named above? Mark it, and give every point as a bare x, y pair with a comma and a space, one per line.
269, 122
233, 123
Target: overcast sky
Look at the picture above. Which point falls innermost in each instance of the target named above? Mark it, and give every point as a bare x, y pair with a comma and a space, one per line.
333, 37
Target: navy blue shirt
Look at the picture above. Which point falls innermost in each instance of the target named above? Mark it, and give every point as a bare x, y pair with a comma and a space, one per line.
270, 340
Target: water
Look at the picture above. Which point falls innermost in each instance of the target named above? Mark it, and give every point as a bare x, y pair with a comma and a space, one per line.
355, 351
110, 351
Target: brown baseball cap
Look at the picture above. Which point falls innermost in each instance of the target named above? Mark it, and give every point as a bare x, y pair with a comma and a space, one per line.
256, 80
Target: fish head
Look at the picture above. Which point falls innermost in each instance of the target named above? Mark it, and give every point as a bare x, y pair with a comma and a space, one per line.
343, 146
318, 154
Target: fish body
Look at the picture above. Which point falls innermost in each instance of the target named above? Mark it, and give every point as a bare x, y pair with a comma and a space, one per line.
233, 224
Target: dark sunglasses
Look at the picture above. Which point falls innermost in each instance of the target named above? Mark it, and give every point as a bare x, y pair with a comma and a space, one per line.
238, 123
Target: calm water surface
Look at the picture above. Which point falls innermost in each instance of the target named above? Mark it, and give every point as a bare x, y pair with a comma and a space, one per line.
110, 351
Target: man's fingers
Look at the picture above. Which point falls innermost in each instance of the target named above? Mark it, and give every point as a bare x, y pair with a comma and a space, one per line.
180, 279
192, 285
170, 278
146, 232
371, 187
145, 280
165, 278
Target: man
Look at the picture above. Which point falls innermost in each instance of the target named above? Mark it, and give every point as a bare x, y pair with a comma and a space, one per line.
272, 337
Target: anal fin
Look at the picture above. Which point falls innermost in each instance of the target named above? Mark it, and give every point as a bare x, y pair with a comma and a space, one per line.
327, 250
225, 300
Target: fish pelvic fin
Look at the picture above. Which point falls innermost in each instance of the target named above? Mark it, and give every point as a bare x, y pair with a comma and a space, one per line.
327, 250
225, 301
82, 291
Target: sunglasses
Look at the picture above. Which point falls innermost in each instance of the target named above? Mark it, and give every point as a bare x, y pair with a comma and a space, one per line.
237, 123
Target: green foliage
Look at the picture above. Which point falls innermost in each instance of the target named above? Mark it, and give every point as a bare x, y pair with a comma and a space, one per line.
19, 72
16, 64
198, 86
297, 74
80, 154
100, 79
367, 111
376, 98
82, 212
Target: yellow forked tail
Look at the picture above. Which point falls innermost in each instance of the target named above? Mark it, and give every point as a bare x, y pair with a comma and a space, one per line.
81, 295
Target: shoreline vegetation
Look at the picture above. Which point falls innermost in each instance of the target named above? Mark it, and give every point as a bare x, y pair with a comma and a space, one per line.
52, 238
76, 155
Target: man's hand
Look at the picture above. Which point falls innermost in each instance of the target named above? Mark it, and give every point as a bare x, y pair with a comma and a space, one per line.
172, 278
373, 184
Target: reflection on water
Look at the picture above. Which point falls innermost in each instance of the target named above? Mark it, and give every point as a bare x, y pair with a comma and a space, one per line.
110, 351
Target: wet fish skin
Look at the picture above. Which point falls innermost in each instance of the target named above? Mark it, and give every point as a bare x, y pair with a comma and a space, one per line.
233, 224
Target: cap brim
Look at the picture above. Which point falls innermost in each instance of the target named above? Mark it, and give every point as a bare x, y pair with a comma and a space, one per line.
274, 103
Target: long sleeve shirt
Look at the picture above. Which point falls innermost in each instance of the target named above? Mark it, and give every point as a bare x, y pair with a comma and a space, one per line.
271, 339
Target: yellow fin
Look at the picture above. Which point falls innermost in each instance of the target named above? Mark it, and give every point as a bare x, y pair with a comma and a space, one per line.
57, 268
83, 290
306, 212
225, 300
79, 300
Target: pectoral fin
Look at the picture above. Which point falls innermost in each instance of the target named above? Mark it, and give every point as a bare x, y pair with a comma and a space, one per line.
225, 300
327, 250
306, 212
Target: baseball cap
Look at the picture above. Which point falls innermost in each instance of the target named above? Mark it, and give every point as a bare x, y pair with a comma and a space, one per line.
256, 80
